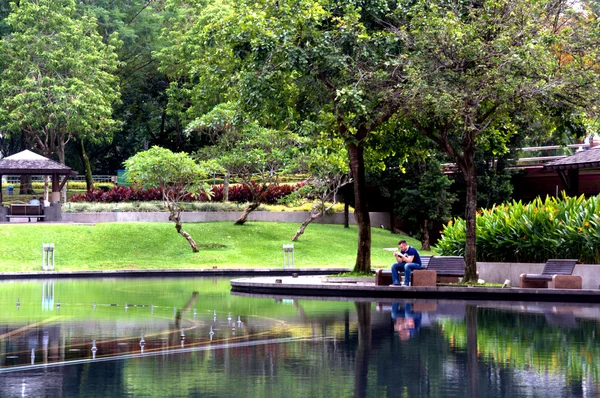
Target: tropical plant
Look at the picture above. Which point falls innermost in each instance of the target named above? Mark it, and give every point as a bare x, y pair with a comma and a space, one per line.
533, 232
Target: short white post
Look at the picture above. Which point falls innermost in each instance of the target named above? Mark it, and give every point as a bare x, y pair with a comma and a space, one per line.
48, 256
288, 256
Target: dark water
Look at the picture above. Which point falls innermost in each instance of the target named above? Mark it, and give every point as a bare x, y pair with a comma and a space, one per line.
191, 337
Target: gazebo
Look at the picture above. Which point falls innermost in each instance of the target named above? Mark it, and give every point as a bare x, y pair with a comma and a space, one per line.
29, 163
568, 167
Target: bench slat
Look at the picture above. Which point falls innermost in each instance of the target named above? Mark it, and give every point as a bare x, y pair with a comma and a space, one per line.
559, 267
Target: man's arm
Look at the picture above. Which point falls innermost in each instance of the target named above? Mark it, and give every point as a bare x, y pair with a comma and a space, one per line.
403, 257
409, 258
399, 257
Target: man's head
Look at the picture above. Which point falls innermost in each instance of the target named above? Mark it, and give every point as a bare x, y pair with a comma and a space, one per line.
403, 245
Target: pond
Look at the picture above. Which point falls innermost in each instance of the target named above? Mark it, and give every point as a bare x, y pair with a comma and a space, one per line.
192, 337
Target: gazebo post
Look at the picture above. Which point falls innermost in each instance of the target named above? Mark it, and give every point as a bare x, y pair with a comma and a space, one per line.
55, 195
3, 210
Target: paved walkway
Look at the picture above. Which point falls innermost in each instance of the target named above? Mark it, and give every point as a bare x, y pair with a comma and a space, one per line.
318, 286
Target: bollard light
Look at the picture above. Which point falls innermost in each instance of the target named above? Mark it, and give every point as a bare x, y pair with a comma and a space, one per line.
288, 256
48, 256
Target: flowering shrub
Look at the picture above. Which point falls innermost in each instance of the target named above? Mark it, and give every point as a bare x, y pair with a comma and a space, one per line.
534, 232
237, 193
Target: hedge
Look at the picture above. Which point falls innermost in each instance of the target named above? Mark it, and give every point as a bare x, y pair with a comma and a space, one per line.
533, 232
237, 193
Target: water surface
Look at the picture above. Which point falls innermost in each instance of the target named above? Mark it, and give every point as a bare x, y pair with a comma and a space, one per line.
192, 337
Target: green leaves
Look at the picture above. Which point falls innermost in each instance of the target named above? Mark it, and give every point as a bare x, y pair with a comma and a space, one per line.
176, 173
57, 75
534, 232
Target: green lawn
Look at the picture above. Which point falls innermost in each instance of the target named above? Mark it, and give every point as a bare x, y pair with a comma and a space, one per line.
116, 246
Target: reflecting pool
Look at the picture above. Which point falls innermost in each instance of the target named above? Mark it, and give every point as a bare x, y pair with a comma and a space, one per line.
192, 337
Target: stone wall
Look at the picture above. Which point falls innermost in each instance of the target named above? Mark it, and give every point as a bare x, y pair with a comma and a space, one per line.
378, 219
499, 272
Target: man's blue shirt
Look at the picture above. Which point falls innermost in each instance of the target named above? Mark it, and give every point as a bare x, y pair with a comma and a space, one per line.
411, 251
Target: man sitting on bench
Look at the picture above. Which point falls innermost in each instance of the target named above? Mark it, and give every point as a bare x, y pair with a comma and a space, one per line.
407, 260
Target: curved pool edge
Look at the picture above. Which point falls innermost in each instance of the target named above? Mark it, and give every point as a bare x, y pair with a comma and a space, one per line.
314, 286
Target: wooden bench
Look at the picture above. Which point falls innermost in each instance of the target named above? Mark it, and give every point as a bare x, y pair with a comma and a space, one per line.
24, 210
448, 269
558, 271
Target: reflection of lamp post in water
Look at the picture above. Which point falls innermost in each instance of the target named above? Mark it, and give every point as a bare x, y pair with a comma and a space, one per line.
47, 295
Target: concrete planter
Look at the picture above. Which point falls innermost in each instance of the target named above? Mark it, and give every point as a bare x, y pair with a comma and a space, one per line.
499, 272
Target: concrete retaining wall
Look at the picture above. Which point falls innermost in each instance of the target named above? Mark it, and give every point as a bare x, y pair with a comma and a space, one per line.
499, 272
377, 219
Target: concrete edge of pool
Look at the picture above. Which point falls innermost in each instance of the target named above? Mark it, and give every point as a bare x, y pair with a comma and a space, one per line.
233, 272
315, 286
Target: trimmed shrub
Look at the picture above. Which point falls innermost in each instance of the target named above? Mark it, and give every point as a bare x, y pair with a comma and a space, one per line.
534, 232
237, 193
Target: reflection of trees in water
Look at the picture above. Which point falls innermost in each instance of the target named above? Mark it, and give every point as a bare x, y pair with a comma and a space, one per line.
472, 366
363, 351
538, 342
356, 352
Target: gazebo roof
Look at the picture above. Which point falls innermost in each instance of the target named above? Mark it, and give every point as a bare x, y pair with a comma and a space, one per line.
27, 162
580, 160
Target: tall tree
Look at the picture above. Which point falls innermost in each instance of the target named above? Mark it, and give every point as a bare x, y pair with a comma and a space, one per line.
469, 66
310, 66
57, 80
257, 159
327, 170
176, 174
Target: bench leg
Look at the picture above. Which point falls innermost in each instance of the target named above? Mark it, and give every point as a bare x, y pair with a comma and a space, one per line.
532, 284
424, 278
382, 279
567, 281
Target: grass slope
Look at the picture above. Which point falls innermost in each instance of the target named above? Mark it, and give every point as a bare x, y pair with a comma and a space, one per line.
115, 246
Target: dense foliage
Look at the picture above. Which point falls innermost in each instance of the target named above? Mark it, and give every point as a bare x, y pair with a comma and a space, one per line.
534, 232
237, 193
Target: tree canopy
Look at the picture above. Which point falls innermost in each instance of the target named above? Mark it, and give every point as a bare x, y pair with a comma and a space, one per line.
176, 174
57, 75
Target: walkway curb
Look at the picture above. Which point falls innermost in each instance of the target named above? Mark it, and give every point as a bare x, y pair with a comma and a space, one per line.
314, 286
234, 272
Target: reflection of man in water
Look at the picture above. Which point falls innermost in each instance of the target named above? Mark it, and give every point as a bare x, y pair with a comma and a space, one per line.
406, 322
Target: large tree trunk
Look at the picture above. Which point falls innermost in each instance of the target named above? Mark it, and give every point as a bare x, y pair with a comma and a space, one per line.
361, 211
26, 187
468, 169
175, 216
425, 238
89, 180
60, 152
346, 212
244, 217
